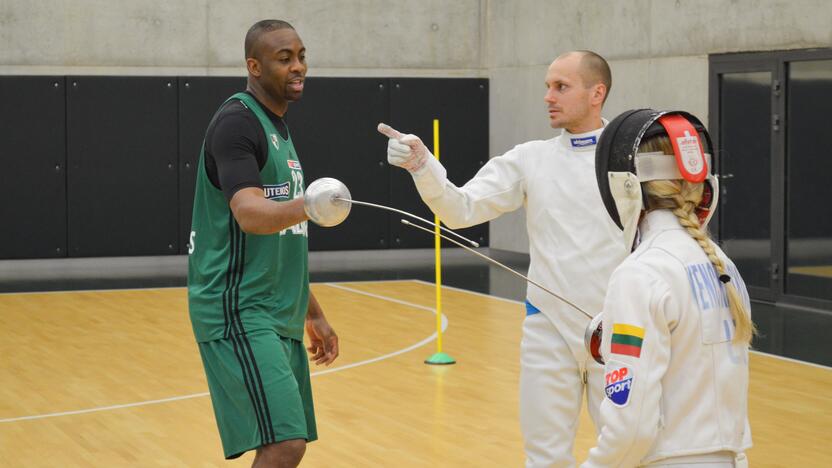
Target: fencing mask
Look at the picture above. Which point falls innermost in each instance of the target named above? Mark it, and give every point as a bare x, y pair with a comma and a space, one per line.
620, 168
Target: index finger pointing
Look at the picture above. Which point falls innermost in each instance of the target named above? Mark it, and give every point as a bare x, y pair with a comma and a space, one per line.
389, 131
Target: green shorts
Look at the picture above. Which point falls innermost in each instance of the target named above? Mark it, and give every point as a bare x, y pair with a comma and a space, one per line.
260, 389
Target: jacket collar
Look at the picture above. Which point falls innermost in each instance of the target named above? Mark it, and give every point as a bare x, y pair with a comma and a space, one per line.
582, 141
657, 221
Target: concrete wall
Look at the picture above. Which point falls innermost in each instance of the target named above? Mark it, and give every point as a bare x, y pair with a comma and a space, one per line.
658, 49
205, 37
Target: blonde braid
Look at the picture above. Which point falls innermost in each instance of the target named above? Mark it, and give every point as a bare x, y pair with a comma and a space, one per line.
682, 198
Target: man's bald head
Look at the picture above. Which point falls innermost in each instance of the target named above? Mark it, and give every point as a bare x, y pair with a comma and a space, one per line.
257, 30
593, 69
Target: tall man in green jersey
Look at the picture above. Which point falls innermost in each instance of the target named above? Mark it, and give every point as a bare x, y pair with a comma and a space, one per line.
248, 279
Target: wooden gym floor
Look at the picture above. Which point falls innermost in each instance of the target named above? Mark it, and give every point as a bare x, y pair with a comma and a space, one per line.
113, 378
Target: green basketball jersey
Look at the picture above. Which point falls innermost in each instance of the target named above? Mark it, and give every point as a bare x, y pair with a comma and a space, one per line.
240, 282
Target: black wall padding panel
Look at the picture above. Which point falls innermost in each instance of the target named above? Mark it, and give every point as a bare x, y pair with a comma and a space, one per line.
199, 99
105, 165
33, 173
122, 166
461, 105
334, 131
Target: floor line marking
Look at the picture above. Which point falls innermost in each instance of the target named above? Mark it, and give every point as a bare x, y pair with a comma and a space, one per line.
162, 288
752, 351
788, 359
476, 293
412, 347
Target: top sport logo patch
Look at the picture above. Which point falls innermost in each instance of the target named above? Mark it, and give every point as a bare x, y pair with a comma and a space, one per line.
618, 383
293, 164
583, 142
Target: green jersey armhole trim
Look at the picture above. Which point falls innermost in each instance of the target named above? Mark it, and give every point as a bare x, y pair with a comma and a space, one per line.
266, 117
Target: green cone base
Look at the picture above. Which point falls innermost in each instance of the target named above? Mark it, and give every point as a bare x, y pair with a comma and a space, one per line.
440, 359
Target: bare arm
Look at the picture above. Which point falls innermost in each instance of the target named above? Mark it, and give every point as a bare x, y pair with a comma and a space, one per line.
258, 215
314, 310
323, 342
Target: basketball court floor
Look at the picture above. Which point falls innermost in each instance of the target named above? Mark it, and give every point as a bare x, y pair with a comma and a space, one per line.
113, 377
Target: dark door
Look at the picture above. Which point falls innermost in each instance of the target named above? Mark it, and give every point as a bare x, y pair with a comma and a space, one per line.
808, 193
744, 139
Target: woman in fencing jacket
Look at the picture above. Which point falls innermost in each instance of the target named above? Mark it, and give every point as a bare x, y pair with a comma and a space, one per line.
676, 318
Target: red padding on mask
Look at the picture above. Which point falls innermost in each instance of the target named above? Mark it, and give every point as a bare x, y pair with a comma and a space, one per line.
686, 146
704, 208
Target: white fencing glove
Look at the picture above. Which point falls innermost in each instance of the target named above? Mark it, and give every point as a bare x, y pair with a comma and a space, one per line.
409, 152
405, 151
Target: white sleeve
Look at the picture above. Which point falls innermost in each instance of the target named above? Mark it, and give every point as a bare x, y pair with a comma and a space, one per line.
497, 188
636, 347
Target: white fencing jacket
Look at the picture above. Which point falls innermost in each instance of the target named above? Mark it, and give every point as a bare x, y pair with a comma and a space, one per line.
675, 382
574, 245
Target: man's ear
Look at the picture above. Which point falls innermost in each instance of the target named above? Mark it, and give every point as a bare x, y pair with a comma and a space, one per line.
253, 66
599, 92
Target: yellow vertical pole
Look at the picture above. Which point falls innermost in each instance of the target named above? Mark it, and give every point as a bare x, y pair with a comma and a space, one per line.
439, 358
437, 247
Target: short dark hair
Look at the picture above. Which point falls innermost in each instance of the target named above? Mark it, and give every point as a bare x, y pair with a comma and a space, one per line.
258, 29
595, 70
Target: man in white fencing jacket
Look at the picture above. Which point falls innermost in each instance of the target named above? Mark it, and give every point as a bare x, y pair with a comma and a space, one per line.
573, 245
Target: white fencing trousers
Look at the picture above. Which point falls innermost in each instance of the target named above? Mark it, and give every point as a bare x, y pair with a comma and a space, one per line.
708, 460
551, 390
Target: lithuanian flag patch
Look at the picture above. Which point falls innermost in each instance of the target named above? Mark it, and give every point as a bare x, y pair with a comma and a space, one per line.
626, 339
